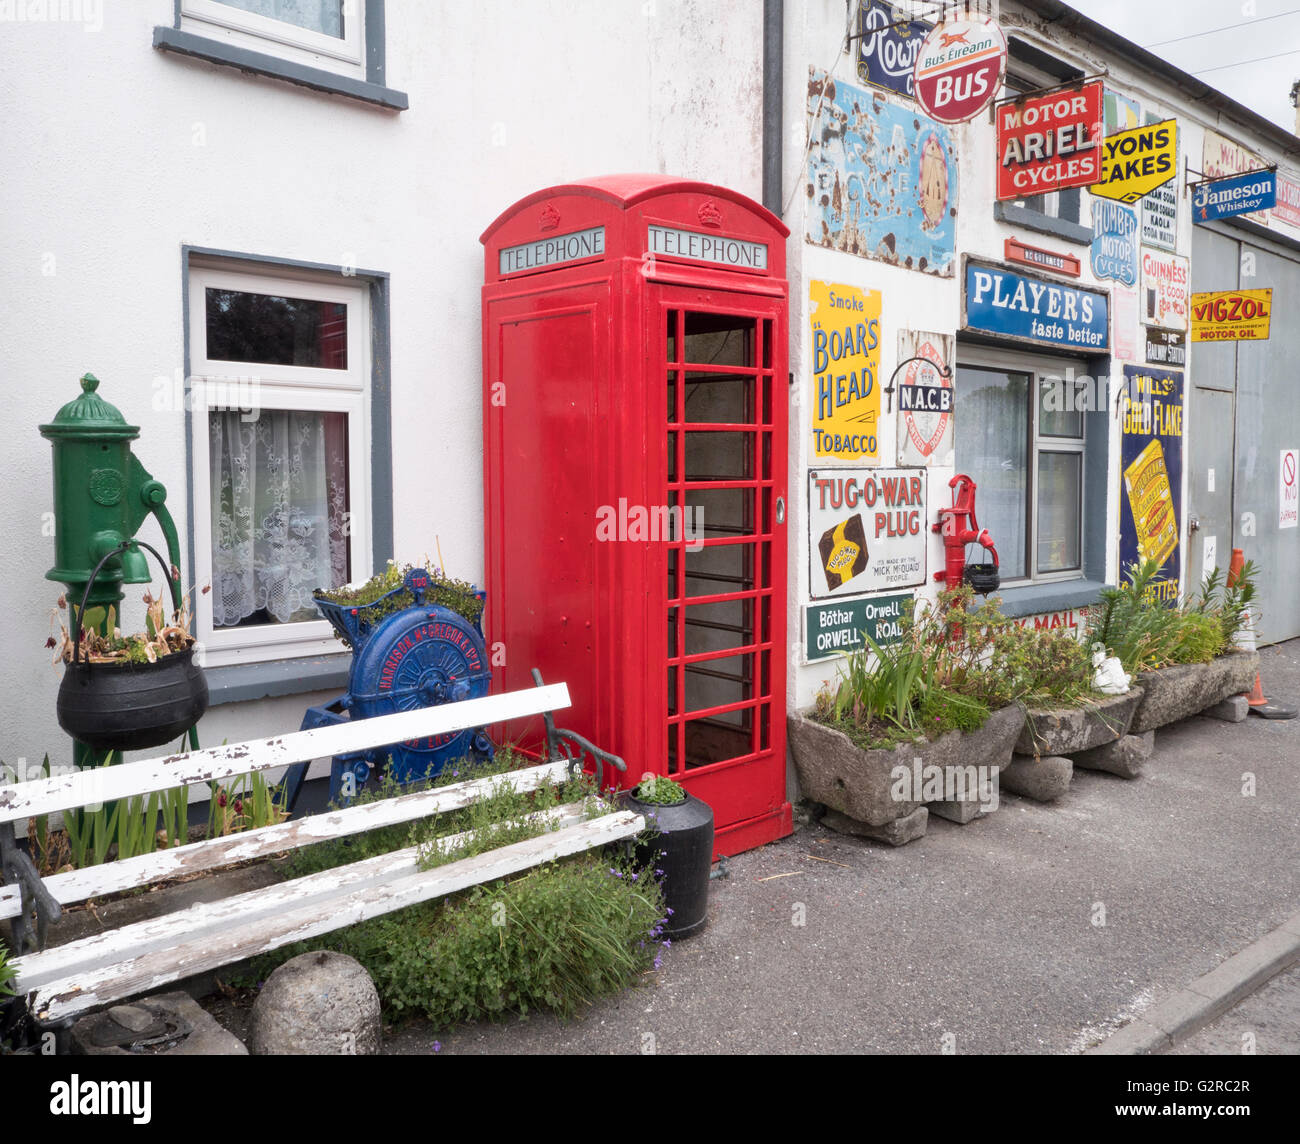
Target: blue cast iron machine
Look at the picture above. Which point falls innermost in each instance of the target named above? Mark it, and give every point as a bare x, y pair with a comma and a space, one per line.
404, 658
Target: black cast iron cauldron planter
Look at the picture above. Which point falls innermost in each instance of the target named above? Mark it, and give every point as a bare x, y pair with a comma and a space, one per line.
683, 849
130, 706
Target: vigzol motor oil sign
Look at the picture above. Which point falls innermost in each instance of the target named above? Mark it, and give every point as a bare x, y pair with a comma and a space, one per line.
1231, 315
868, 530
1050, 141
1135, 162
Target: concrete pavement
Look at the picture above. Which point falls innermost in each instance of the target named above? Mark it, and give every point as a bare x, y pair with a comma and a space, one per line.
1036, 929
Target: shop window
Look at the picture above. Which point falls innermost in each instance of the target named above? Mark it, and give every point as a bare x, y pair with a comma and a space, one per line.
280, 440
1020, 435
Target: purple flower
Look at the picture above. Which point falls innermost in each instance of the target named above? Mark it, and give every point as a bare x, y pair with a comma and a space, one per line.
667, 943
437, 1046
670, 911
658, 960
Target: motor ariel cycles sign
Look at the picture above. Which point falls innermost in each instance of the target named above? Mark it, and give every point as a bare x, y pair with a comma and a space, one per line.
958, 70
1048, 142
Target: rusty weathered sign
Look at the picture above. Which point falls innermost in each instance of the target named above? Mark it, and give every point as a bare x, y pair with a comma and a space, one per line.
1049, 141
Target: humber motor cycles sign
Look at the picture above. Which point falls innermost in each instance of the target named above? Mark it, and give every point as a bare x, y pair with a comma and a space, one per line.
1002, 302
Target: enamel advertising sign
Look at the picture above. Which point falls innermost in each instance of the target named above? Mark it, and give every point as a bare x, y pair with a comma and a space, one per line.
887, 46
844, 333
1151, 461
958, 70
1052, 313
1165, 279
1221, 158
1047, 142
1115, 242
1238, 195
1135, 162
882, 178
868, 530
836, 629
1231, 315
925, 399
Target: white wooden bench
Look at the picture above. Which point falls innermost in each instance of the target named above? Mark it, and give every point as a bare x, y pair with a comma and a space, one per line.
66, 981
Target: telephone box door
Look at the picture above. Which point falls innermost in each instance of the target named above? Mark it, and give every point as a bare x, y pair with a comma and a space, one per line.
718, 362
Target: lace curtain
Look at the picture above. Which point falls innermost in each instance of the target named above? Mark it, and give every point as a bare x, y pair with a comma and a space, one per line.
279, 513
316, 15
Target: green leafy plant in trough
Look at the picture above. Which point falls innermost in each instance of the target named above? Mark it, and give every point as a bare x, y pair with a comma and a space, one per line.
7, 972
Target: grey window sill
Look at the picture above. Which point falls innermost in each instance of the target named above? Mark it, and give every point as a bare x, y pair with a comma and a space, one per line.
244, 682
1058, 596
1043, 224
219, 52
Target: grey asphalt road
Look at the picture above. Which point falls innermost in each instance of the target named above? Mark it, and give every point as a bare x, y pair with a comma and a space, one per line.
1036, 929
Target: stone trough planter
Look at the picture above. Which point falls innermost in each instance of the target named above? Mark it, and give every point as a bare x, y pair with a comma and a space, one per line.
1183, 690
857, 785
1067, 730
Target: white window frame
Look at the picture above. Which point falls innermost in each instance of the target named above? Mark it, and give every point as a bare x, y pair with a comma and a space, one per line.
346, 56
1039, 366
217, 385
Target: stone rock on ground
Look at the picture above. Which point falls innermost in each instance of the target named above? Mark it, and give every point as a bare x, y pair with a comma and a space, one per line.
1124, 757
899, 832
859, 783
958, 811
1234, 709
1042, 779
319, 1004
149, 1018
1065, 730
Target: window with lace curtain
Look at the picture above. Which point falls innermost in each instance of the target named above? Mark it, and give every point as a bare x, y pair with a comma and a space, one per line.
322, 33
278, 421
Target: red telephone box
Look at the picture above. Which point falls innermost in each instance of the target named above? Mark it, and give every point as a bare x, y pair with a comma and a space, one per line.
634, 408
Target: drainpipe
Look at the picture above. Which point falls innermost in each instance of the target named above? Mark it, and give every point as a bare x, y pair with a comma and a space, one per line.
773, 62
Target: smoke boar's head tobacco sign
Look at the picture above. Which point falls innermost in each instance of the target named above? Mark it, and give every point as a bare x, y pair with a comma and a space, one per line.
1050, 141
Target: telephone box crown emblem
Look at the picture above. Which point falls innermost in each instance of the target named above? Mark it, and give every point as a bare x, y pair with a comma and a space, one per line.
550, 217
709, 214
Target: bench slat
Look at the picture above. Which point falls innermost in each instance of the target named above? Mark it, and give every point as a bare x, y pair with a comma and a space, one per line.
104, 784
150, 934
72, 995
112, 877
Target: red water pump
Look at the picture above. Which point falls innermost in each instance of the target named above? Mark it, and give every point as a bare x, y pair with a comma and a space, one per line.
960, 528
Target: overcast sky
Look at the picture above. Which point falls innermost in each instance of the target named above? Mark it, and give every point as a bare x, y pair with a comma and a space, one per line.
1250, 29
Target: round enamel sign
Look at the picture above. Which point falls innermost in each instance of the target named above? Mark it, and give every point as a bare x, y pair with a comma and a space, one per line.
959, 69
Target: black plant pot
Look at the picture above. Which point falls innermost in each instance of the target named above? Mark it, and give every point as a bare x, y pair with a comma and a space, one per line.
683, 850
132, 706
982, 578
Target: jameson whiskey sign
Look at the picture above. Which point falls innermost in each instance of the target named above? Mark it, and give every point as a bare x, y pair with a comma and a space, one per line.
1151, 472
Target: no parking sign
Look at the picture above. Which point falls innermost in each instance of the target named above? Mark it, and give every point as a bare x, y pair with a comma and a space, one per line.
1288, 491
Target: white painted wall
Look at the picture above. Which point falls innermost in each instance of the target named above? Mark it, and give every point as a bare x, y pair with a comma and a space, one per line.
116, 154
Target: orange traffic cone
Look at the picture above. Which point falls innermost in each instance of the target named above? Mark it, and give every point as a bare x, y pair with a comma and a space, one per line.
1266, 709
1234, 566
1256, 697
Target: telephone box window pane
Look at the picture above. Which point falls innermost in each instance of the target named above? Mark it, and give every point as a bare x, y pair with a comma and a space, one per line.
672, 395
720, 570
1059, 480
719, 626
719, 456
323, 16
719, 737
672, 691
992, 446
279, 514
726, 398
717, 682
719, 339
714, 513
273, 330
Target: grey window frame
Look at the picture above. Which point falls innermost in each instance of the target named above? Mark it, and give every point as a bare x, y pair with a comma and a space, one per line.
373, 89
